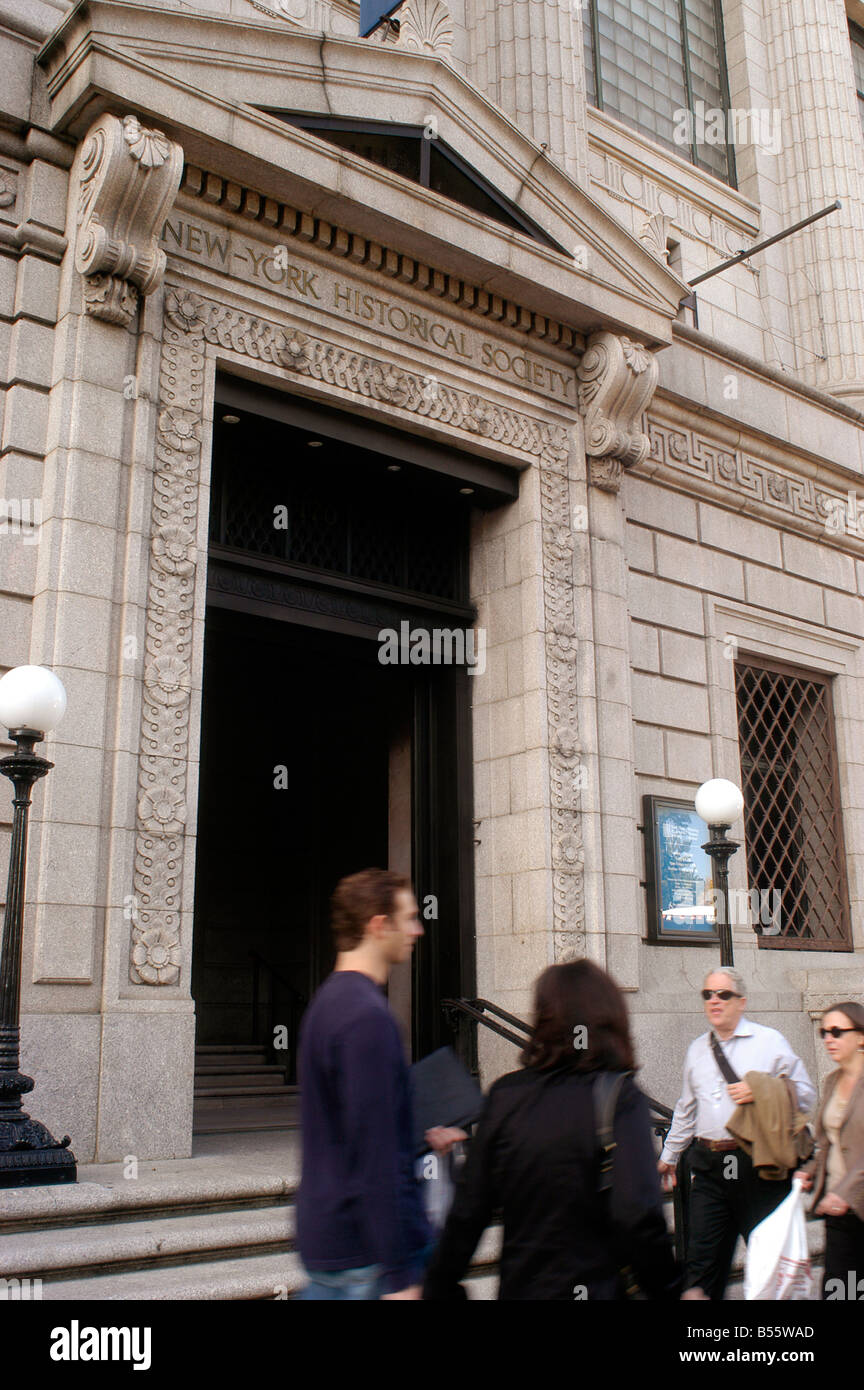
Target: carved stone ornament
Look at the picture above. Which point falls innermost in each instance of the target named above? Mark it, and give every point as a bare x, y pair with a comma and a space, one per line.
191, 324
426, 26
655, 233
128, 179
617, 379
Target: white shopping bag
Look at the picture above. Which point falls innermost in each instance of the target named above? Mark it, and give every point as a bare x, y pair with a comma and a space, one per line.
778, 1258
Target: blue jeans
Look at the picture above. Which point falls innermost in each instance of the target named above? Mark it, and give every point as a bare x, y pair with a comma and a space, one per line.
351, 1285
354, 1285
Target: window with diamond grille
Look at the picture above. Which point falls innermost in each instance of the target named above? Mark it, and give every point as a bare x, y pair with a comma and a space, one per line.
792, 815
649, 61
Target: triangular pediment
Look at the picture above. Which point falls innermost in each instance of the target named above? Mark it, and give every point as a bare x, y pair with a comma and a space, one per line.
213, 83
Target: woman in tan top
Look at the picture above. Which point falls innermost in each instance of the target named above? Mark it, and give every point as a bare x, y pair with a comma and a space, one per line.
836, 1171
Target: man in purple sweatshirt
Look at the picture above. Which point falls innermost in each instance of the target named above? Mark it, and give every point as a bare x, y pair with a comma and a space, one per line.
361, 1228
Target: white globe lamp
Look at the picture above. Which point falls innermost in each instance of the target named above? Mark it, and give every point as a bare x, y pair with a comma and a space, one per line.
719, 802
32, 698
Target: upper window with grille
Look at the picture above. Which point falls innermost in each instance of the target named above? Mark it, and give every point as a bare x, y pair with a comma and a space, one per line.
792, 817
659, 65
857, 37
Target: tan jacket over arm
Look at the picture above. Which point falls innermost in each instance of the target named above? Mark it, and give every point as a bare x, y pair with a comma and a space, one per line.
764, 1126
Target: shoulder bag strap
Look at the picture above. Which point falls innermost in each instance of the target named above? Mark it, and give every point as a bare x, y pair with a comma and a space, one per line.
728, 1071
607, 1088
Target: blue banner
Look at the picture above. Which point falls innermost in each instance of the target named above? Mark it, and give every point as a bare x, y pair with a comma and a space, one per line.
372, 12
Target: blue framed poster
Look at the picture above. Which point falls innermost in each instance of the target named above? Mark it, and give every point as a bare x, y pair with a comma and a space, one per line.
679, 874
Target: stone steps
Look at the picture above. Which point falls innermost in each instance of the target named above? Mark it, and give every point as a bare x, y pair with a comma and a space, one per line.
238, 1087
239, 1090
173, 1241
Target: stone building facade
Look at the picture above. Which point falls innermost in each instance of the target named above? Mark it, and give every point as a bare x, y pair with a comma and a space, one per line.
675, 490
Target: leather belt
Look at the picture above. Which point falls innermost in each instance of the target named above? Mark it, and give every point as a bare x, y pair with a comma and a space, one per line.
719, 1146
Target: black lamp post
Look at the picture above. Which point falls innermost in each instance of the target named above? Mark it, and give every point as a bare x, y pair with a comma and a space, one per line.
32, 701
720, 803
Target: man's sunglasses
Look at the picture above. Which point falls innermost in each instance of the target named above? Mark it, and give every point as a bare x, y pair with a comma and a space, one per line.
836, 1032
724, 994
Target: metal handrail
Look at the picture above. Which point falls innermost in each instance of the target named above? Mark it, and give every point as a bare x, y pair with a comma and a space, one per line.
477, 1010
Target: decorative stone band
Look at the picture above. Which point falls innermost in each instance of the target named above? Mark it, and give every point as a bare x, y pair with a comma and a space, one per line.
128, 179
617, 379
191, 324
734, 475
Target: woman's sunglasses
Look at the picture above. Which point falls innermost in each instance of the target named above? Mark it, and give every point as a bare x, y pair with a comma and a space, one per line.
724, 994
836, 1032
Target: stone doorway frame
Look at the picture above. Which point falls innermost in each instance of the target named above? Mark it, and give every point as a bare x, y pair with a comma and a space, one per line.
200, 334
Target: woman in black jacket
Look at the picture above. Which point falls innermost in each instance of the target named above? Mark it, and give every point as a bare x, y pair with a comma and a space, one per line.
536, 1160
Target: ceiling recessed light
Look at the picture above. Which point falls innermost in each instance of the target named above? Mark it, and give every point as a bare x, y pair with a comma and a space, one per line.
394, 468
314, 443
466, 491
230, 419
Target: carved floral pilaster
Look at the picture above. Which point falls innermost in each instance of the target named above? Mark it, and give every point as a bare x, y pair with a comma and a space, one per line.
128, 179
562, 703
617, 379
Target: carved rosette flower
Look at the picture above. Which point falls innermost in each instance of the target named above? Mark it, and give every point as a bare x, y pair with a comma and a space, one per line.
162, 811
778, 487
568, 850
167, 677
567, 742
726, 465
562, 646
180, 429
150, 147
296, 355
184, 309
678, 446
174, 550
826, 504
479, 416
389, 384
156, 957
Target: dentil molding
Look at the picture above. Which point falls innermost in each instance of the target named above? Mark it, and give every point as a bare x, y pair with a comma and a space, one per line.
128, 178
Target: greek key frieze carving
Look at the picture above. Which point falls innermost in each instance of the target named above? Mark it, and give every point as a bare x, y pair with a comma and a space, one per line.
743, 473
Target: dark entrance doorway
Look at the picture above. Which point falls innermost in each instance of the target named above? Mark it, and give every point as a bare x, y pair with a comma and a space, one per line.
293, 795
316, 758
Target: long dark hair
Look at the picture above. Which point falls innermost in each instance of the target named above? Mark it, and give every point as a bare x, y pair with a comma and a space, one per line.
580, 1021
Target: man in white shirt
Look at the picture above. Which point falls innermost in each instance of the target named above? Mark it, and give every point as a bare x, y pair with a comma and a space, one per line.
727, 1198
